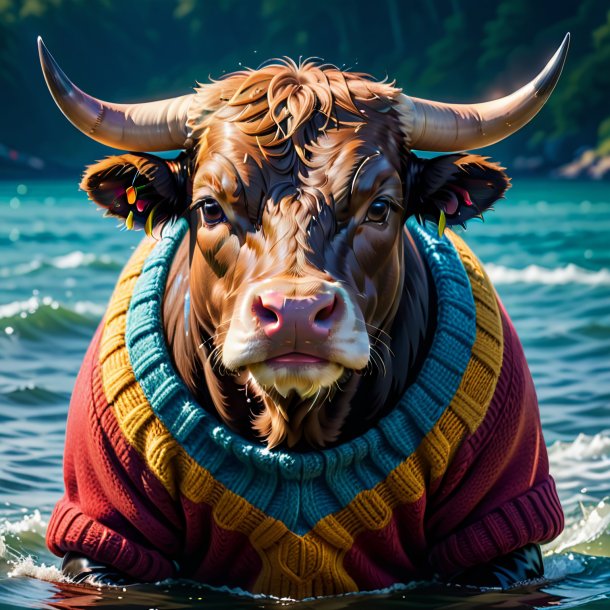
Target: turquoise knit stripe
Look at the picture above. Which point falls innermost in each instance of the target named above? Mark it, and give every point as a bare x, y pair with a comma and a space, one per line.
299, 489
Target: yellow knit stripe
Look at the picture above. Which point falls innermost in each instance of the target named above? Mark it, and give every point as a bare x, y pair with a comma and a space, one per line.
310, 565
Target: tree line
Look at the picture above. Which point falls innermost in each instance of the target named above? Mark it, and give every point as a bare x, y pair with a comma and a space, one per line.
452, 50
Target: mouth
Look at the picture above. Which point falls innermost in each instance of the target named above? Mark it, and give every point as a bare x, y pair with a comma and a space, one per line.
296, 372
296, 359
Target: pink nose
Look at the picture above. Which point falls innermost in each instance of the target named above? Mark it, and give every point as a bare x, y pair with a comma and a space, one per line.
309, 318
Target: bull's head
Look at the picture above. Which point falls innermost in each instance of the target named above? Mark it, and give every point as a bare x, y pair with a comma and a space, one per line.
297, 181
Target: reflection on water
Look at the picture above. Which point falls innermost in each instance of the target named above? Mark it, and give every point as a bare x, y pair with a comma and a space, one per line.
58, 264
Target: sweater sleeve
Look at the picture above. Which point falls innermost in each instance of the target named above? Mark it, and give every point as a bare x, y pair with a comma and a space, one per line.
497, 496
114, 511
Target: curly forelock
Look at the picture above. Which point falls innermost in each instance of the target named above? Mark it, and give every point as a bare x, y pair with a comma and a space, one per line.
285, 100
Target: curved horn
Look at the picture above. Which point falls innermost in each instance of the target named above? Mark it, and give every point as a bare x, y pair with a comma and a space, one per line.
150, 126
437, 126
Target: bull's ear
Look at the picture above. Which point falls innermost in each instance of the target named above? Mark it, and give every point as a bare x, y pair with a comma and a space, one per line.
452, 189
143, 190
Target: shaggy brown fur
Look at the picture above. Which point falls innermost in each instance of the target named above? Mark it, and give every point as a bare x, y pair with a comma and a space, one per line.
279, 146
297, 156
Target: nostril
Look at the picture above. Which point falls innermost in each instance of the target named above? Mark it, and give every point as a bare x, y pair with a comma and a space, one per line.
264, 314
326, 312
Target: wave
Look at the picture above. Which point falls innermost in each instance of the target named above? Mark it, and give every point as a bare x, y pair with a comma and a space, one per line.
26, 566
32, 394
593, 526
534, 274
30, 529
580, 470
582, 447
29, 318
73, 260
33, 523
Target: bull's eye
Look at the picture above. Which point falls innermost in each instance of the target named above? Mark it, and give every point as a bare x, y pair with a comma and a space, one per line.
378, 211
211, 212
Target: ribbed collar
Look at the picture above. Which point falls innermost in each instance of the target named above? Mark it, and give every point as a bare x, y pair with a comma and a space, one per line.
318, 482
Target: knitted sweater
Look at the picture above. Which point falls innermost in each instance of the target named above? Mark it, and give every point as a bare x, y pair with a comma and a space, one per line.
454, 476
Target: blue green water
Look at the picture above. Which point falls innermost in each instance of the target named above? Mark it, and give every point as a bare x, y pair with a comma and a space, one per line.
547, 248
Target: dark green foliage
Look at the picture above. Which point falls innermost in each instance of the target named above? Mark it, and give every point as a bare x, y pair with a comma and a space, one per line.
444, 49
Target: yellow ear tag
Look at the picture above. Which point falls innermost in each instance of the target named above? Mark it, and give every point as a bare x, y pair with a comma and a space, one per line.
442, 221
129, 221
131, 195
149, 222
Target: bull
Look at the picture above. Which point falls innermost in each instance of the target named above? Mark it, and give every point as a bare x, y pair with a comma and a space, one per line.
298, 388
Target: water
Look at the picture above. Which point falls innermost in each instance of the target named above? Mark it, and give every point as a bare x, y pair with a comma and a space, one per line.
548, 251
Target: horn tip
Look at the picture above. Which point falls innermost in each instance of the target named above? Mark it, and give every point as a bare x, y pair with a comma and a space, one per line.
43, 52
546, 81
46, 59
58, 83
563, 47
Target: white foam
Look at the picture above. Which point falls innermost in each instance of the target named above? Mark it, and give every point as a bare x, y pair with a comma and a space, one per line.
534, 274
33, 304
88, 308
30, 523
16, 307
28, 567
72, 260
22, 269
582, 447
586, 530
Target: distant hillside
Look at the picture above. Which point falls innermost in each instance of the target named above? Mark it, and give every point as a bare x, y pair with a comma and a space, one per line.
444, 49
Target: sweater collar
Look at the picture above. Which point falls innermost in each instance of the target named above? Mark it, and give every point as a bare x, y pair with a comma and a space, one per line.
367, 459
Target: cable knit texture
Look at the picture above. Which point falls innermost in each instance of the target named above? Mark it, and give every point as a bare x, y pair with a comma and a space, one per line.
454, 476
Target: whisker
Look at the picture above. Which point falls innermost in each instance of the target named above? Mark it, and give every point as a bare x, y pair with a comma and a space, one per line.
379, 339
379, 361
379, 330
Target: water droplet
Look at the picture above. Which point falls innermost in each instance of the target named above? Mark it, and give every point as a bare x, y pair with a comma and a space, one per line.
15, 203
22, 189
9, 330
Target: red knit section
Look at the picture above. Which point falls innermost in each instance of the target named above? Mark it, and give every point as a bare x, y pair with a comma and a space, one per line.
495, 497
497, 494
110, 490
215, 555
535, 516
71, 530
396, 553
115, 511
